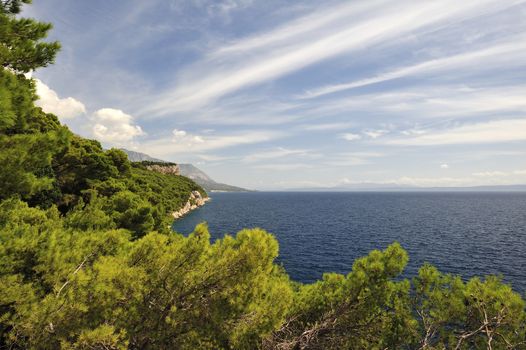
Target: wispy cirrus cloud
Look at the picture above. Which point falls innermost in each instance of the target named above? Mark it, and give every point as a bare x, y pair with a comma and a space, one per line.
189, 143
510, 53
493, 131
431, 101
498, 173
349, 136
351, 159
301, 44
284, 166
327, 126
279, 153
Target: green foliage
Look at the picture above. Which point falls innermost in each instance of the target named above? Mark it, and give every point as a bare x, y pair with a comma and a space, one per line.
18, 114
29, 139
144, 163
91, 287
83, 162
103, 337
20, 46
90, 217
132, 212
477, 314
25, 160
12, 6
366, 309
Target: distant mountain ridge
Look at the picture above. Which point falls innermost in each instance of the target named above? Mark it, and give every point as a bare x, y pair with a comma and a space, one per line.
188, 170
393, 187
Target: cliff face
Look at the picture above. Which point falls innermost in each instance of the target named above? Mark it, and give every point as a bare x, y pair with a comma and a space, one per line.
165, 169
195, 201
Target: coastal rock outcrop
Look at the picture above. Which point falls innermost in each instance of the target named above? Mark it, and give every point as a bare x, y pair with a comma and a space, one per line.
170, 169
195, 201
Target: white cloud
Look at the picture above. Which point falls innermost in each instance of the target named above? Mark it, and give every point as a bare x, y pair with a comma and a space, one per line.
50, 102
350, 159
478, 133
284, 167
426, 102
303, 42
497, 173
326, 126
213, 158
490, 174
279, 152
297, 184
198, 139
350, 136
115, 127
444, 166
194, 144
346, 162
346, 181
435, 181
226, 7
375, 133
512, 52
179, 133
476, 179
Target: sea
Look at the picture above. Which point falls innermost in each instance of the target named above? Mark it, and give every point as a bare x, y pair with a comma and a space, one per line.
465, 233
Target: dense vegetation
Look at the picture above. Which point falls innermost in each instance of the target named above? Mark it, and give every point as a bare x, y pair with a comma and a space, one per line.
146, 163
87, 260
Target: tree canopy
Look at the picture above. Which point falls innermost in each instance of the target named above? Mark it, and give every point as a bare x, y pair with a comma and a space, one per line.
21, 49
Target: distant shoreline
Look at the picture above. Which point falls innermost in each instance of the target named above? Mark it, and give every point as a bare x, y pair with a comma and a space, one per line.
503, 188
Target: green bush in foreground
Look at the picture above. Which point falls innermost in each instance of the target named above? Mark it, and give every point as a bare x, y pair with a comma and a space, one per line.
63, 287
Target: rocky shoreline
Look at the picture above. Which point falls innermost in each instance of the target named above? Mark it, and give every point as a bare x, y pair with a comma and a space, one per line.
195, 201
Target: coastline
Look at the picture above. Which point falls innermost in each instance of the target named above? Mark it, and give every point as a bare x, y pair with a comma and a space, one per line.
195, 201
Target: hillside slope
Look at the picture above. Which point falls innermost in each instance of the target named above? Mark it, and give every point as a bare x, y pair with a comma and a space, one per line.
46, 165
188, 170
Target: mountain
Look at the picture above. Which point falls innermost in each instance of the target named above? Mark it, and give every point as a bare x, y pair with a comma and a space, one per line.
393, 187
188, 170
205, 181
487, 188
140, 157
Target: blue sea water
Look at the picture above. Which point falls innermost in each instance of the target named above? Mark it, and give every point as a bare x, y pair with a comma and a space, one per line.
466, 233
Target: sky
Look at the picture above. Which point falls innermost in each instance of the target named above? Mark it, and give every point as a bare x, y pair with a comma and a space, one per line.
295, 94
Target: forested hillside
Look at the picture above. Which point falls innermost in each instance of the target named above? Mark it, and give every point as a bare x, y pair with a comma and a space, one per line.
87, 260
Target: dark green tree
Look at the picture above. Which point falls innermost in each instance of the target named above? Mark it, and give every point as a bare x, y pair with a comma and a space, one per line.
21, 49
29, 138
12, 6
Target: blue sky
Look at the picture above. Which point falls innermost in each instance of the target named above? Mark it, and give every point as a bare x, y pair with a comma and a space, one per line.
278, 94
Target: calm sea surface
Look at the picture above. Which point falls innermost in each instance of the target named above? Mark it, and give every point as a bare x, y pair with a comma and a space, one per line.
463, 233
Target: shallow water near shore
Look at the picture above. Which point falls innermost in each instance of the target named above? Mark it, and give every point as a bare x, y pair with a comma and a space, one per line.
466, 233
